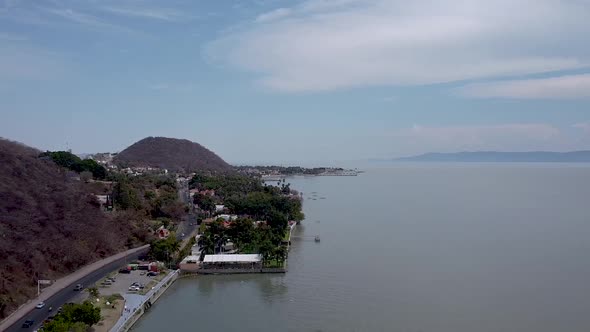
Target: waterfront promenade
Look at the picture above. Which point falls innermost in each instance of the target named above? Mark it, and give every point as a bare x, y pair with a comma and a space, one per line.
136, 304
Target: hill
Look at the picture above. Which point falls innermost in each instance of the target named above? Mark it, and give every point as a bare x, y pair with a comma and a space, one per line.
493, 156
171, 154
49, 224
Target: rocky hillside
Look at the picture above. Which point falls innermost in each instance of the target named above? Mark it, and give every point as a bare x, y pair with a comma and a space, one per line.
172, 154
49, 224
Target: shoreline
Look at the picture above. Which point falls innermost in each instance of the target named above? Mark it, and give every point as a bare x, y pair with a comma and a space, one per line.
125, 323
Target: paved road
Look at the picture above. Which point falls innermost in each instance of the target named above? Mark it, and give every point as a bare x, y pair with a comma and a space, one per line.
184, 226
67, 294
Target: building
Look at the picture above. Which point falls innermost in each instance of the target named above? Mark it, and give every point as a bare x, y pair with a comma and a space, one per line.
106, 202
162, 233
190, 263
232, 262
228, 217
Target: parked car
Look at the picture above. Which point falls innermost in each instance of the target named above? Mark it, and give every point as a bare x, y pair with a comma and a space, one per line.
40, 305
134, 288
78, 287
152, 274
28, 323
124, 271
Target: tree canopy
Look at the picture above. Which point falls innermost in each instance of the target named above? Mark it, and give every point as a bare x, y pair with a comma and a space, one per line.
73, 316
71, 161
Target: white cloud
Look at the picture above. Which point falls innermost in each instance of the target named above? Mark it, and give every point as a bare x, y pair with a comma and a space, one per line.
562, 87
274, 15
502, 137
164, 14
75, 16
88, 20
325, 45
584, 126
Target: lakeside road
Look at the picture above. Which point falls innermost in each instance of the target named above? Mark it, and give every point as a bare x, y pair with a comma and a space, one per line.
66, 294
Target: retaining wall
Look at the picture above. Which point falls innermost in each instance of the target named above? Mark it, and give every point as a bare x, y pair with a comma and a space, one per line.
151, 297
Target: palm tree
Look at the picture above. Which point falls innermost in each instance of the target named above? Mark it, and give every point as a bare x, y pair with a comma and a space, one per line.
207, 244
280, 254
93, 291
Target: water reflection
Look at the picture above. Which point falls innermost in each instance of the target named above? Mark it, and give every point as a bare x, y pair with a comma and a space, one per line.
271, 287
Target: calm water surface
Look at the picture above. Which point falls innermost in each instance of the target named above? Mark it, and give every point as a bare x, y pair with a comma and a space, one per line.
454, 248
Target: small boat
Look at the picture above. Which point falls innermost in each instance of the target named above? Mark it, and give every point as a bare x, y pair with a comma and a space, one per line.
317, 238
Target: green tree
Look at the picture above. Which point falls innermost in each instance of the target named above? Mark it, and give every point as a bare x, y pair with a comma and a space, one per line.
206, 243
86, 313
266, 249
58, 324
241, 232
163, 250
62, 158
280, 254
93, 291
125, 196
78, 327
205, 202
278, 223
74, 317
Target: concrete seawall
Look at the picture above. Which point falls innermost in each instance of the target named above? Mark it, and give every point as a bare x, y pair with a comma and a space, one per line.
240, 271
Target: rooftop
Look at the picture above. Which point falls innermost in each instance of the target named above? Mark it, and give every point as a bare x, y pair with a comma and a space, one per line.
234, 258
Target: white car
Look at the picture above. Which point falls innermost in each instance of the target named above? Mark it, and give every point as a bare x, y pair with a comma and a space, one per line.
133, 288
40, 305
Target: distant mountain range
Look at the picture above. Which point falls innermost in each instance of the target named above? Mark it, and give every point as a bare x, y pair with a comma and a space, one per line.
172, 154
494, 156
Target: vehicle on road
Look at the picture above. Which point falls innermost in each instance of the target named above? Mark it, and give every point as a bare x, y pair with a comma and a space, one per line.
40, 305
78, 287
124, 271
134, 288
28, 323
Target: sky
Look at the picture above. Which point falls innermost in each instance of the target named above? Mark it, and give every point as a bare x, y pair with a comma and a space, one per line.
297, 82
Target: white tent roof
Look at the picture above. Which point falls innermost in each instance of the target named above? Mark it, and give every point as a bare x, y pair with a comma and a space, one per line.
234, 258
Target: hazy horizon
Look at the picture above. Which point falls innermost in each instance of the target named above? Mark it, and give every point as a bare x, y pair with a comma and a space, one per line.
309, 81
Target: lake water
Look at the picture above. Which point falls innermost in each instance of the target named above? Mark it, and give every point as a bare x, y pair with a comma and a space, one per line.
415, 248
